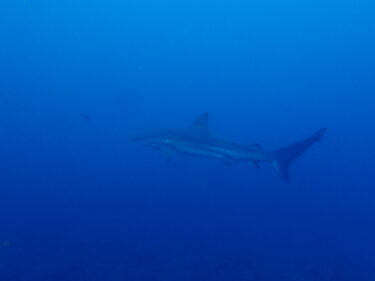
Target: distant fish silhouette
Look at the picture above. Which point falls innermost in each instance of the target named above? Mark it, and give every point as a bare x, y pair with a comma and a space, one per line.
6, 244
85, 116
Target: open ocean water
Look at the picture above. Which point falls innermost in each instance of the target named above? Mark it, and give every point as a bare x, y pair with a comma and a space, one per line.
80, 201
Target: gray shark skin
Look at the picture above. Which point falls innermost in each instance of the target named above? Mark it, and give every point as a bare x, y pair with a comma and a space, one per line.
197, 140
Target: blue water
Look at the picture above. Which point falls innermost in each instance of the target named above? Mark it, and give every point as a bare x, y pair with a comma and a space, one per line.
80, 201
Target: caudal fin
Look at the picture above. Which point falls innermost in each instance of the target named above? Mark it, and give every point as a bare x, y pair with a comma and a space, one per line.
282, 158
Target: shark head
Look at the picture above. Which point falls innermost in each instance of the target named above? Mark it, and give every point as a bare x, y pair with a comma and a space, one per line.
153, 139
167, 137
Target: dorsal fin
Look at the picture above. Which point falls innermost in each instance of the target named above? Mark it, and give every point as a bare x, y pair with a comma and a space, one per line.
201, 123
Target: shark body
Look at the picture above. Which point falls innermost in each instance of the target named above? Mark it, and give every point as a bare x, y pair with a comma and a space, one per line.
197, 140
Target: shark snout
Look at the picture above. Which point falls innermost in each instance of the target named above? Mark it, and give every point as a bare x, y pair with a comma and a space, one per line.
145, 139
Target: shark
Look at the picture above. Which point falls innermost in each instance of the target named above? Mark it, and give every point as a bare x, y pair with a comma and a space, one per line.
197, 139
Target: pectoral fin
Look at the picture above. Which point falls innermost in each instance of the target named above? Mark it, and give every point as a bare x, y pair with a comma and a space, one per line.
168, 152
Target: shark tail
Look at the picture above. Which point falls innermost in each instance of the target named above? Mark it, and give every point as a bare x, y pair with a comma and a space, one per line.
283, 157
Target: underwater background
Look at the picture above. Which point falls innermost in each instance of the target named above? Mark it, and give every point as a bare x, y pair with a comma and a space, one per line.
80, 201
